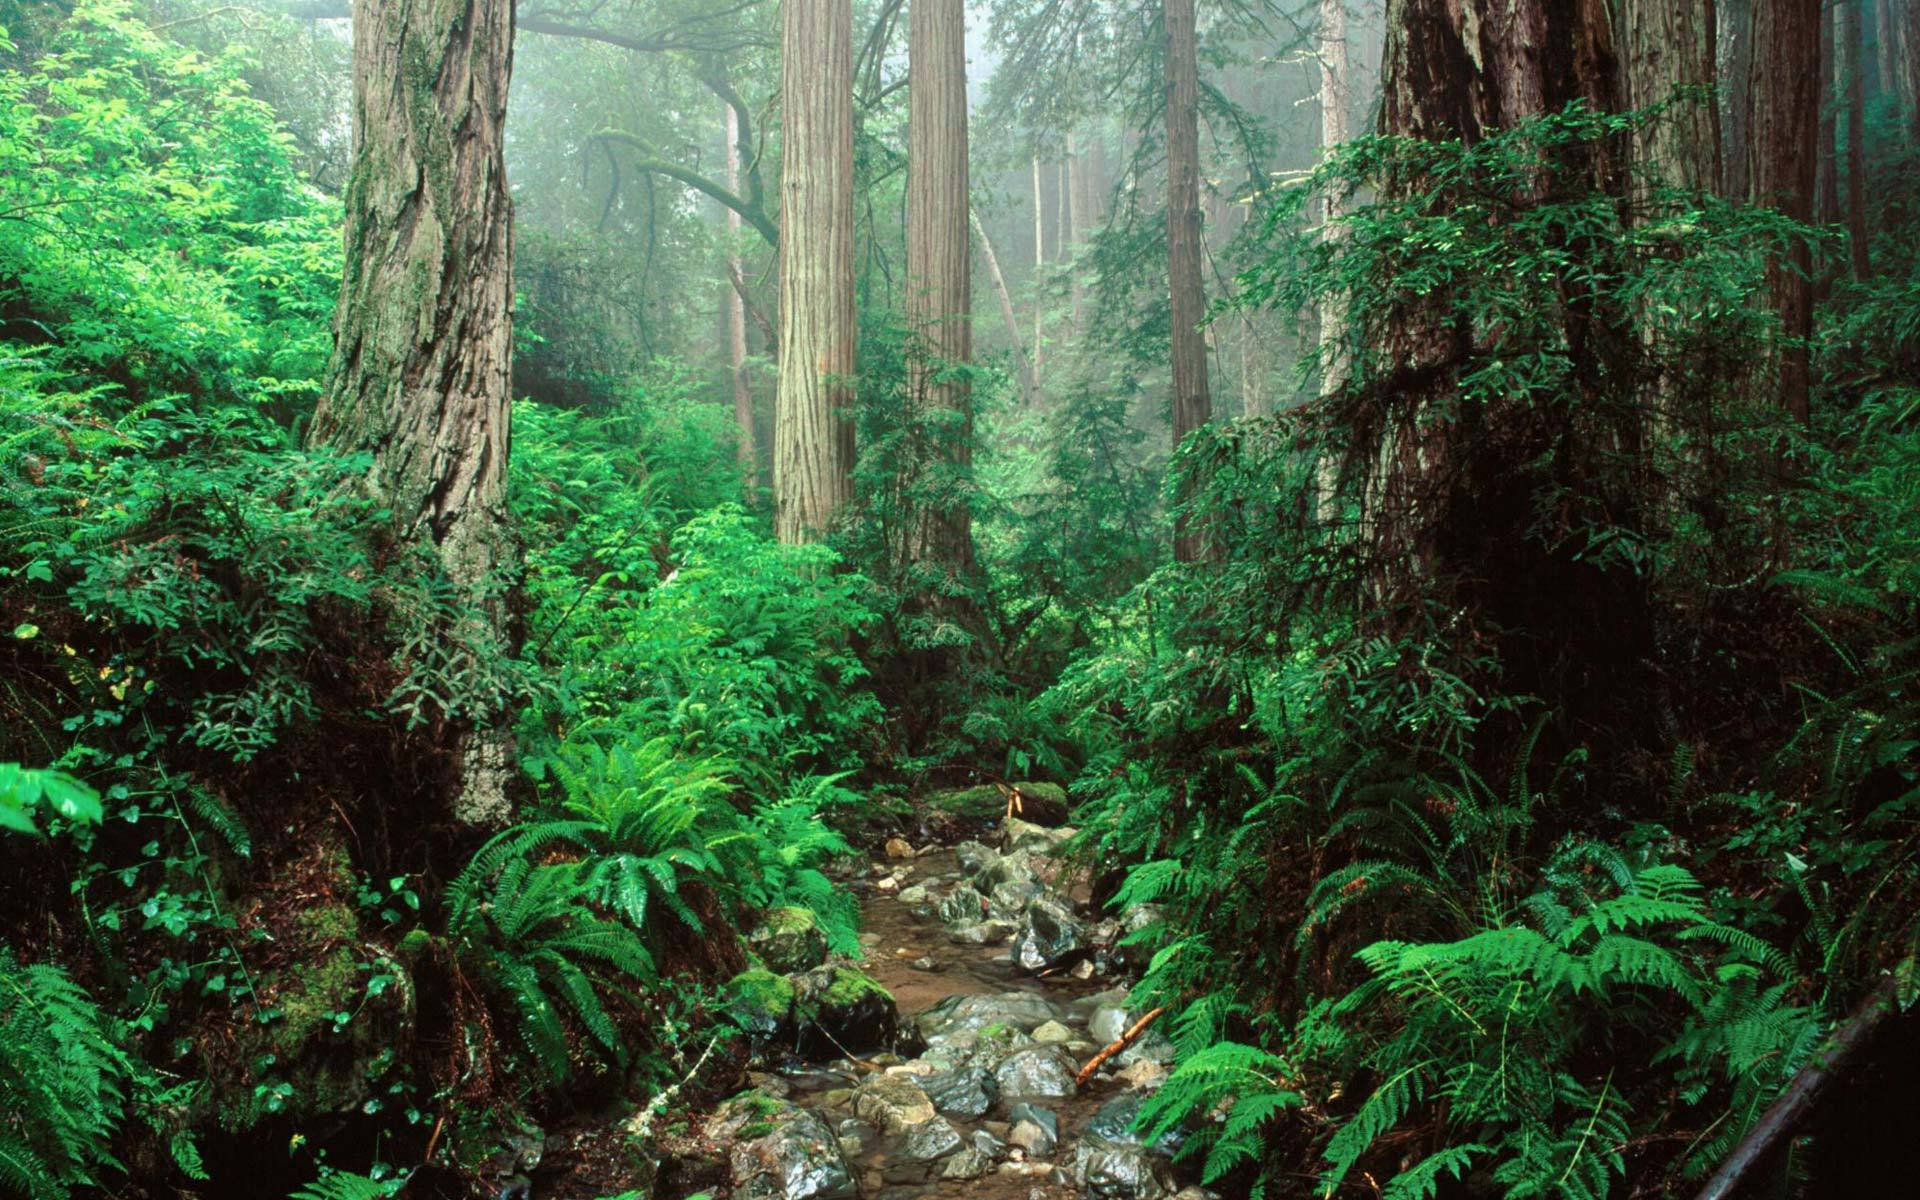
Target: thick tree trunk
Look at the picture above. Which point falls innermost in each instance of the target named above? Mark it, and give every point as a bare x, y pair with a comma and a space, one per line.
939, 260
1023, 366
1784, 121
737, 319
1332, 315
813, 425
1908, 75
1191, 403
1669, 45
1886, 49
1852, 45
1736, 102
420, 373
1826, 209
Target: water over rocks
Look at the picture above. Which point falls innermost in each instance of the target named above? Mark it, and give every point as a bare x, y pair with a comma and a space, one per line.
970, 1093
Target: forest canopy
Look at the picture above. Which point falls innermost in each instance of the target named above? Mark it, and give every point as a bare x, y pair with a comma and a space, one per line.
800, 599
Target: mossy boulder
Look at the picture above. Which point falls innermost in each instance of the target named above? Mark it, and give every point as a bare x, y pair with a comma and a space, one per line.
982, 808
789, 939
840, 1010
761, 1002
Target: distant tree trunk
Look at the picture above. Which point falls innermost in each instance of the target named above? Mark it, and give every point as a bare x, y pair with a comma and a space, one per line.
1075, 205
1886, 47
1852, 45
737, 318
420, 373
1039, 269
1097, 181
1191, 402
1670, 45
1909, 73
1332, 316
1784, 120
1023, 366
813, 427
1736, 101
939, 260
1826, 209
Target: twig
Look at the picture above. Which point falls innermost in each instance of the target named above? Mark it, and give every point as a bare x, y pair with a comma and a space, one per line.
1120, 1043
642, 1125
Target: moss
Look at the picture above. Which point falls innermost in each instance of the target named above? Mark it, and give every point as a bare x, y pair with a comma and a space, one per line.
850, 987
791, 919
987, 801
762, 993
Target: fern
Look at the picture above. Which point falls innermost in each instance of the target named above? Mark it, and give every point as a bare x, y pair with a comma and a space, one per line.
63, 1083
1244, 1080
342, 1185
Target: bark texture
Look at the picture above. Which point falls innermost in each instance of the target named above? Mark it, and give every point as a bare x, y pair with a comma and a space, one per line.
1668, 57
736, 304
1851, 37
1783, 99
1192, 404
813, 427
939, 256
1736, 102
420, 373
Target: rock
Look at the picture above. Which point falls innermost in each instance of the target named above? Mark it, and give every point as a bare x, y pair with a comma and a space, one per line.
1045, 1118
1034, 1140
1036, 1072
1107, 1023
799, 1158
975, 1047
968, 1164
1145, 1075
964, 1091
924, 963
964, 905
1119, 1171
974, 857
1137, 954
1052, 1033
980, 933
1110, 1021
1114, 1123
1082, 969
1150, 1047
761, 1003
899, 848
1023, 835
915, 896
892, 1103
771, 1085
887, 886
987, 1145
838, 1010
1050, 936
789, 939
869, 940
929, 1140
1020, 1010
1007, 868
1009, 900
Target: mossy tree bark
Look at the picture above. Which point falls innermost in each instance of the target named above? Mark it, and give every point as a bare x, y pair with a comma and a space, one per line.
1668, 46
813, 426
1192, 403
419, 377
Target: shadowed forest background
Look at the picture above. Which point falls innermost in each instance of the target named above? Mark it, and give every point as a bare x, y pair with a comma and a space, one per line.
799, 599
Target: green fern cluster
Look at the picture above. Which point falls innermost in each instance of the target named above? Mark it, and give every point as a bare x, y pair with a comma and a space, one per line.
63, 1083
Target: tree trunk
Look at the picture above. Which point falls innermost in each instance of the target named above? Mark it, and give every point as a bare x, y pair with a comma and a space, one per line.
1908, 76
1074, 203
1886, 49
1039, 269
813, 424
1191, 403
1023, 366
1852, 47
1331, 317
939, 262
1784, 120
1670, 45
737, 318
420, 373
1736, 101
1826, 209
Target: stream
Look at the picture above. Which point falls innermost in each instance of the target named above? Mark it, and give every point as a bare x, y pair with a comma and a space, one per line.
1005, 986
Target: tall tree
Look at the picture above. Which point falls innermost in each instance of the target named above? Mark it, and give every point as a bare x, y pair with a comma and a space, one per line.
813, 427
1192, 404
939, 259
1668, 50
1851, 40
736, 302
1783, 99
419, 378
1736, 104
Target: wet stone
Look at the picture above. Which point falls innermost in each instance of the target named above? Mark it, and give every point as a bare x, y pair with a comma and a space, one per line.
1050, 936
1119, 1171
1021, 1010
1010, 900
799, 1160
1114, 1123
892, 1103
1036, 1072
964, 905
962, 1092
981, 933
974, 857
968, 1164
1053, 1033
929, 1140
1032, 1139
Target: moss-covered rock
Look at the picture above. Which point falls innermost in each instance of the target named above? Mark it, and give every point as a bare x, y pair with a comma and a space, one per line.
841, 1010
789, 939
982, 808
761, 1002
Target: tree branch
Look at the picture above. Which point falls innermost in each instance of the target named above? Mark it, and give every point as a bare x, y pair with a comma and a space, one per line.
752, 214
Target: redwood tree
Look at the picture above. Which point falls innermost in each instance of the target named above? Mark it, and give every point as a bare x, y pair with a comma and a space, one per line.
1783, 121
939, 262
813, 427
419, 378
1191, 403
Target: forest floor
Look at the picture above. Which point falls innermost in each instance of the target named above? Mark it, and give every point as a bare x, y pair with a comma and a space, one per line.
987, 1106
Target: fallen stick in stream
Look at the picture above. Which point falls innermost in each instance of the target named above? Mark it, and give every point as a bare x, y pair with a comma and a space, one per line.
1120, 1043
1785, 1113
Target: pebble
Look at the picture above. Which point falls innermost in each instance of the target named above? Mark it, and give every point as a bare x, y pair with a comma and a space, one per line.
1053, 1031
899, 848
924, 964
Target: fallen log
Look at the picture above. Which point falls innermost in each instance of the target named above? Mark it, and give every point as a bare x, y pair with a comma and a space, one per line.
1798, 1100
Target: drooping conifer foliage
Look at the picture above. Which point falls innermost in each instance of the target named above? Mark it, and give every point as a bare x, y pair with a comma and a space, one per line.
509, 510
